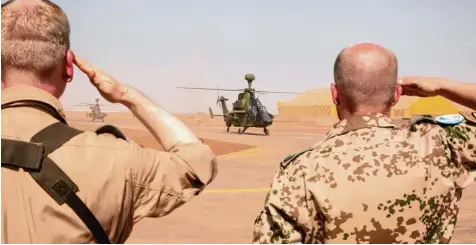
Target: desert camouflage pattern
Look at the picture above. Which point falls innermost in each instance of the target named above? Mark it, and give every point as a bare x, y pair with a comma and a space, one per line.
372, 181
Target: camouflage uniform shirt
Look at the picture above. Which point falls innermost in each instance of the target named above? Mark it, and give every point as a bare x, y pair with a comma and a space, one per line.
372, 181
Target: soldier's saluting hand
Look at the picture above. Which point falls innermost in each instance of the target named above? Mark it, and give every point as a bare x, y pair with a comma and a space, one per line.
63, 185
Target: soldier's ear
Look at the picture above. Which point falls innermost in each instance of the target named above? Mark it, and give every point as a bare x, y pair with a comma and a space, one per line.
335, 94
398, 93
68, 66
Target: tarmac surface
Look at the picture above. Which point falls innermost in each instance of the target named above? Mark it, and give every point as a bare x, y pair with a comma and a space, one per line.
226, 211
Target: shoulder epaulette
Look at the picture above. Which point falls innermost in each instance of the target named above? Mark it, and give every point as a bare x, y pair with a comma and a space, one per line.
415, 120
290, 158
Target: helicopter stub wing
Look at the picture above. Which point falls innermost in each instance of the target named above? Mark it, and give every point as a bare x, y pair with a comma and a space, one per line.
239, 111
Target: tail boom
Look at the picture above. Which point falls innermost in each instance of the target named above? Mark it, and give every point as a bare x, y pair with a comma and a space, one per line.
212, 115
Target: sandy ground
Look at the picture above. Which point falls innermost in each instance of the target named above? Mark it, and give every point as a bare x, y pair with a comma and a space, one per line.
225, 212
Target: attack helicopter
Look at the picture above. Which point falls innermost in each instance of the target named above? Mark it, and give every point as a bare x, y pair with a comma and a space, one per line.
96, 112
247, 111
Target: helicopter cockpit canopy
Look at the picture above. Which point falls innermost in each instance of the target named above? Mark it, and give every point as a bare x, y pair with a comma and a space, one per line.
238, 104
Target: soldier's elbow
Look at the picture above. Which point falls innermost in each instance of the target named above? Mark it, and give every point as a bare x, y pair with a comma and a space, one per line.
201, 161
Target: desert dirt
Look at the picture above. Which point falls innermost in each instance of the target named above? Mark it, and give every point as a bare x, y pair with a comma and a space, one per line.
226, 210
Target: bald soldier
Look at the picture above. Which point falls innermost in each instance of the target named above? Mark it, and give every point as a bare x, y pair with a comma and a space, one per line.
371, 180
45, 162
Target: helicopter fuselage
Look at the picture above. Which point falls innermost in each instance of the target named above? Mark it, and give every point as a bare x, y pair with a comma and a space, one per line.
247, 111
96, 113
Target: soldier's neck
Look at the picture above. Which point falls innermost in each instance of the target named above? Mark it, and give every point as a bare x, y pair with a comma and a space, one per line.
14, 77
344, 114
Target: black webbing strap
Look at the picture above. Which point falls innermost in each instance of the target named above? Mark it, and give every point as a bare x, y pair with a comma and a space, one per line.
36, 105
22, 154
109, 129
48, 175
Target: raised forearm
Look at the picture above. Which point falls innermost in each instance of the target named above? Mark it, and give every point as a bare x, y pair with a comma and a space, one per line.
461, 93
168, 130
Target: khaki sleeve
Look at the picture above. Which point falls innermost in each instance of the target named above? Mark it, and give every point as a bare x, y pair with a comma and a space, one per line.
289, 214
163, 181
462, 143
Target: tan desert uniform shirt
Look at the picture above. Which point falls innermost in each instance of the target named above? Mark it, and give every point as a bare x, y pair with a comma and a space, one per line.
119, 181
371, 181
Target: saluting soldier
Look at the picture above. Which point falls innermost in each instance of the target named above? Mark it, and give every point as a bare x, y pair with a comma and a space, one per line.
370, 180
45, 162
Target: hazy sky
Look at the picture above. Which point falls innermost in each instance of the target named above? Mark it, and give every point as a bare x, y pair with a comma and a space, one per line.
156, 45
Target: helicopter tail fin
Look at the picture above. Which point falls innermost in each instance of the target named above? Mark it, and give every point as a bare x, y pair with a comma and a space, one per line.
211, 113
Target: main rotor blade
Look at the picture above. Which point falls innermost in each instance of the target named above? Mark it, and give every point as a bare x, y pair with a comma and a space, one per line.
256, 91
272, 92
219, 89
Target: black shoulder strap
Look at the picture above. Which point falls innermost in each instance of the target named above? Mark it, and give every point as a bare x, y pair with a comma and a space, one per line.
36, 105
33, 157
109, 129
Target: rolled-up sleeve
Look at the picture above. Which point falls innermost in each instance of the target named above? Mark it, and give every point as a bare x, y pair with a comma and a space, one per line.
163, 181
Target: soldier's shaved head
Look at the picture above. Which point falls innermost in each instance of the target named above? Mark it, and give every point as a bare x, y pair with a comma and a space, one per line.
35, 35
35, 41
365, 76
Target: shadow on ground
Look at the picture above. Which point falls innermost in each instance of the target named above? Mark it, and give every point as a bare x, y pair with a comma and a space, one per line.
145, 139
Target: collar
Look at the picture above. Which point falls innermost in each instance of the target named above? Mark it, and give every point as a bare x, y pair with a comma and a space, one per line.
368, 120
24, 95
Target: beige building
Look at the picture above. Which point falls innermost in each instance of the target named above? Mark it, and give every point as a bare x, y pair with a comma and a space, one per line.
319, 104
